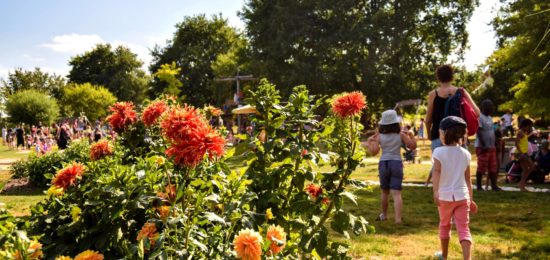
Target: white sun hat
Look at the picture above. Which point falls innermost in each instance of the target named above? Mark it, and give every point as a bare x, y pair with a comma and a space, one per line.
389, 117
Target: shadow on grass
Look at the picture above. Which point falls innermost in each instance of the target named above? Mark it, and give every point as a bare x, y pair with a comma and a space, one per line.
509, 225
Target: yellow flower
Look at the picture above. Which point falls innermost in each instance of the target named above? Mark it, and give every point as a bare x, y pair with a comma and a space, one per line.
89, 255
248, 245
54, 191
277, 238
268, 214
63, 258
75, 213
159, 160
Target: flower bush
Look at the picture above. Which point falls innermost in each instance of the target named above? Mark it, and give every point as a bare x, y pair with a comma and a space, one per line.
164, 190
41, 169
14, 243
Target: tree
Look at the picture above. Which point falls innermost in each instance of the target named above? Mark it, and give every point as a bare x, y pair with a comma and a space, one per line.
20, 79
168, 73
31, 106
92, 100
118, 70
521, 65
195, 47
387, 49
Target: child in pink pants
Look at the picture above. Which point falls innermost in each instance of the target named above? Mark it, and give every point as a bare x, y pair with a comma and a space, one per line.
452, 186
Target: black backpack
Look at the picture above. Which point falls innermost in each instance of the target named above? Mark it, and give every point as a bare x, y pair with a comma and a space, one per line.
453, 105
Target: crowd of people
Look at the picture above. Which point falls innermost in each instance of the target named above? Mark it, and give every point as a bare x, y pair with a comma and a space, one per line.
41, 139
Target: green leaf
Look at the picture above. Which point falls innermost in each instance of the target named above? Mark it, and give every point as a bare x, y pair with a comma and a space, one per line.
350, 196
214, 218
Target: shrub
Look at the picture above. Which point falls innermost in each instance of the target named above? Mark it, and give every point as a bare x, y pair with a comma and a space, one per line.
14, 243
40, 169
31, 107
86, 98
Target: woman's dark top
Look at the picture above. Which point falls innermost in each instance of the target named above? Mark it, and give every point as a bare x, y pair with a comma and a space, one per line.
437, 115
19, 134
97, 135
63, 138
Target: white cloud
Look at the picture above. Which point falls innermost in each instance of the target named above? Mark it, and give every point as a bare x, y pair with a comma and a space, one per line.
33, 59
73, 43
79, 43
141, 51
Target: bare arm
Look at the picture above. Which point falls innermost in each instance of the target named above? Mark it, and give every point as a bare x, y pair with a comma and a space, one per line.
408, 141
473, 205
469, 182
436, 174
428, 120
472, 103
373, 144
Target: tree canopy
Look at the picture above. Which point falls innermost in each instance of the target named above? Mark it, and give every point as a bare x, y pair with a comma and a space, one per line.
31, 106
118, 69
92, 100
196, 45
20, 79
521, 65
387, 49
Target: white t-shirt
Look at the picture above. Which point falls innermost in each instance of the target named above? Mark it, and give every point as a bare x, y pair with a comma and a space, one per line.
452, 183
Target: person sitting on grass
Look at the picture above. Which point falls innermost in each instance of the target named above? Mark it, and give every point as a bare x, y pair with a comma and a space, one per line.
452, 186
485, 147
522, 151
390, 168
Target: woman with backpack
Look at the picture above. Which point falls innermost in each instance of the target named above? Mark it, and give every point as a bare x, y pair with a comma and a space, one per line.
438, 99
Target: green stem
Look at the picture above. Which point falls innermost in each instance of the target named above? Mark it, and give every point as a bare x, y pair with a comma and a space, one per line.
296, 167
343, 180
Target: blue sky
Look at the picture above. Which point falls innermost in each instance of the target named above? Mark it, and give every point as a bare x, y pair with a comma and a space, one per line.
46, 34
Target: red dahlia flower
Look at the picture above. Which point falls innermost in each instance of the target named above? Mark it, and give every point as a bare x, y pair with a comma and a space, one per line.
314, 190
190, 152
100, 149
122, 116
152, 112
349, 104
180, 124
68, 175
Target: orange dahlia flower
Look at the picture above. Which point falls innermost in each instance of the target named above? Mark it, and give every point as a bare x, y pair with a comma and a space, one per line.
277, 238
164, 211
149, 230
169, 194
248, 245
123, 115
314, 190
153, 111
349, 104
100, 150
63, 258
68, 175
89, 255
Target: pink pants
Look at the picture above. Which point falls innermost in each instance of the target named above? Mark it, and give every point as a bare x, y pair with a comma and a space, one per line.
460, 211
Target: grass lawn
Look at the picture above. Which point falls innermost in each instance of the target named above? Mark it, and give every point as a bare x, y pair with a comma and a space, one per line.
7, 153
19, 203
509, 225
